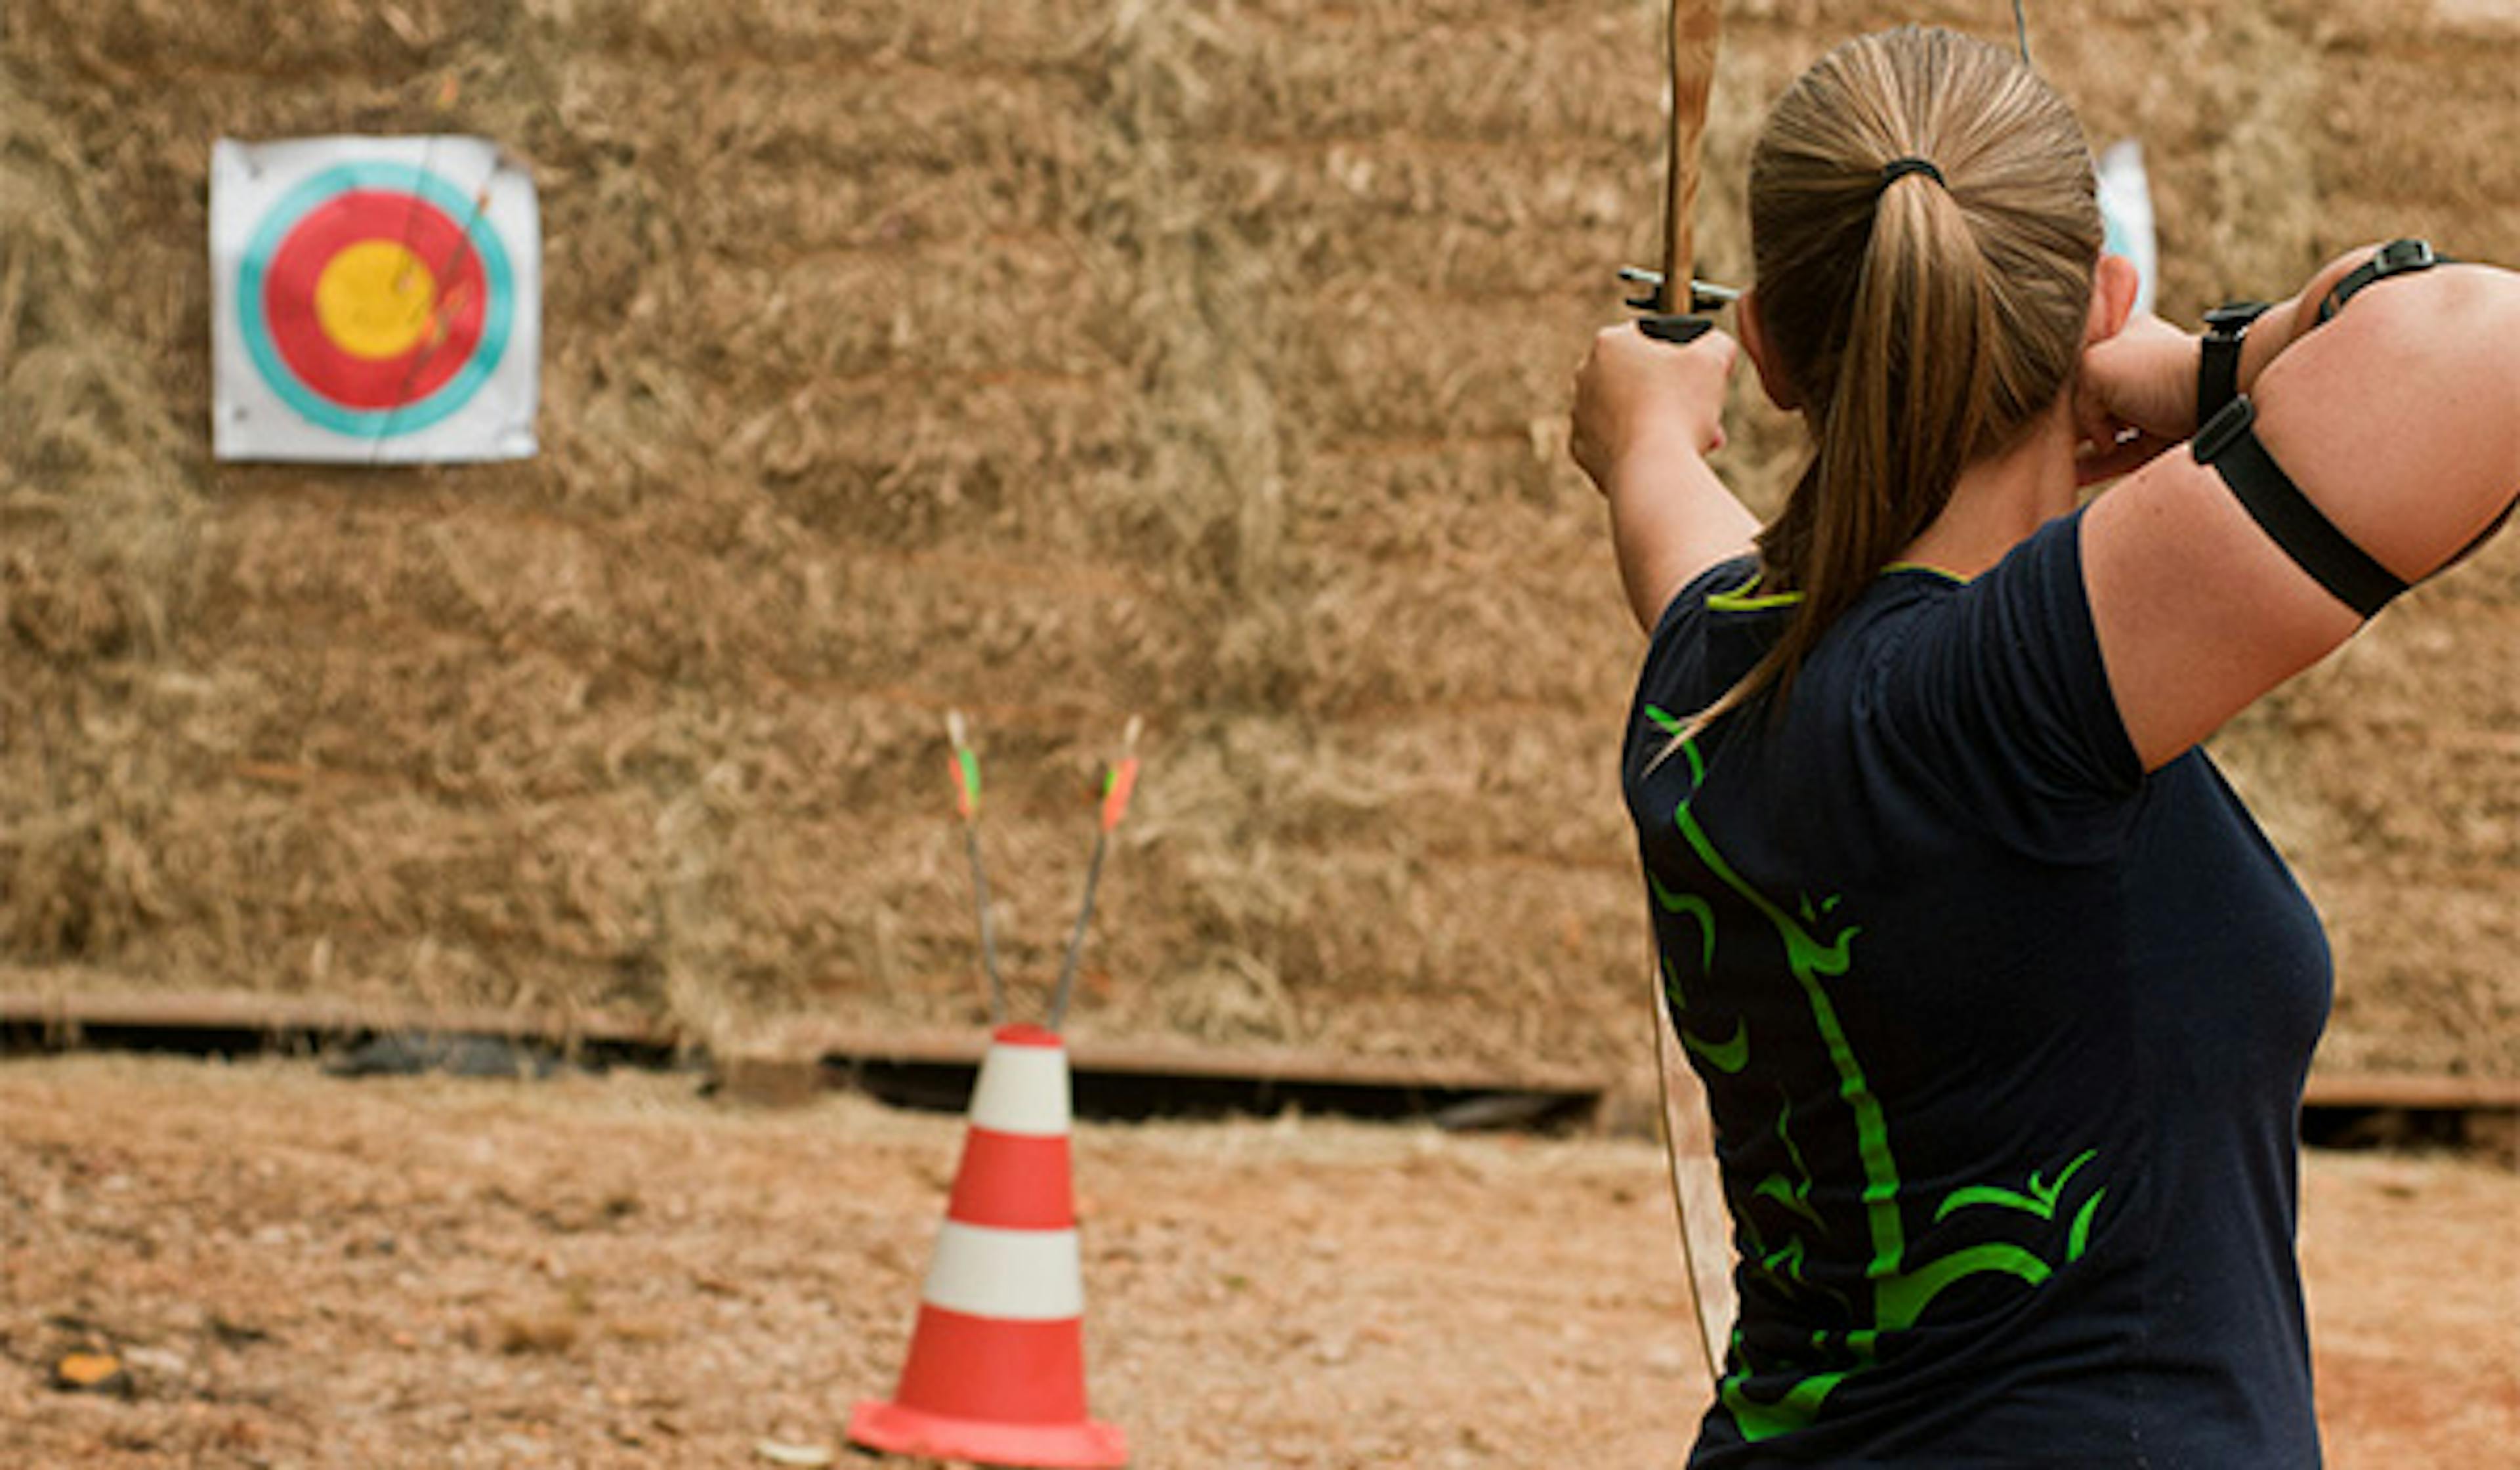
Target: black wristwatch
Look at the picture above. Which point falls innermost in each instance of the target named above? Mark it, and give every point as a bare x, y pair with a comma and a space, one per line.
2218, 360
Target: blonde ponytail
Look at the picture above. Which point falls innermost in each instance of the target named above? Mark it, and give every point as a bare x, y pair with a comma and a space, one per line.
1926, 315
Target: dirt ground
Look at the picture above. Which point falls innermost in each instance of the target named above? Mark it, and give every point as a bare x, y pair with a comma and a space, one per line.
301, 1271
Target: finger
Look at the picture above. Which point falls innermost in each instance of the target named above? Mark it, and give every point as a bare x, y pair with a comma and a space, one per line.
2094, 462
2119, 458
2091, 416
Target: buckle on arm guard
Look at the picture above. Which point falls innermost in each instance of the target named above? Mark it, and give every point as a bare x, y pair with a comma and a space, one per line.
2398, 258
2302, 532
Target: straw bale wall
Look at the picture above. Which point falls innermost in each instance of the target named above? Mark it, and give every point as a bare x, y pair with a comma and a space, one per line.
1054, 361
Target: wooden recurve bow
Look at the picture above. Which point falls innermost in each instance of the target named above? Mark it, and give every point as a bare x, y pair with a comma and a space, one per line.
1679, 304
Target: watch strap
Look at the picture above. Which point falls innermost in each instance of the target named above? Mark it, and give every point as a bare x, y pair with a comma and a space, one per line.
2217, 359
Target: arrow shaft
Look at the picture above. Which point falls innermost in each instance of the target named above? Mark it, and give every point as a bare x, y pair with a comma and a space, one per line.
988, 926
1076, 936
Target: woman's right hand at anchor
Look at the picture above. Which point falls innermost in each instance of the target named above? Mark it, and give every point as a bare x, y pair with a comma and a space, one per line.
1635, 394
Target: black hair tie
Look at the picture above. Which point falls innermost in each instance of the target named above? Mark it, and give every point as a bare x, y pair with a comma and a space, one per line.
1899, 168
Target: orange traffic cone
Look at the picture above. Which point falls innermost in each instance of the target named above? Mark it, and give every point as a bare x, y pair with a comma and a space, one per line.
997, 1362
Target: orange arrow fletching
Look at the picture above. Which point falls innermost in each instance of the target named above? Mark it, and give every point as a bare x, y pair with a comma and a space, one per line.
967, 766
966, 783
1116, 787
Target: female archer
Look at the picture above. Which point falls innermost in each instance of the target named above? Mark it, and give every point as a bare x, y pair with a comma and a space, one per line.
2003, 1002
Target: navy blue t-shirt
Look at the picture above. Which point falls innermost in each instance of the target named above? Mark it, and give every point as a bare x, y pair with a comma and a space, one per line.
2004, 1039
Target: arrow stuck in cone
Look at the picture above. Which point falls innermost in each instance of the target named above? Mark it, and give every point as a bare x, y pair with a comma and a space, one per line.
1119, 782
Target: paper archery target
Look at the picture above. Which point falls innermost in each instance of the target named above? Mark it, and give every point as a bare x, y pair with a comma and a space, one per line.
374, 302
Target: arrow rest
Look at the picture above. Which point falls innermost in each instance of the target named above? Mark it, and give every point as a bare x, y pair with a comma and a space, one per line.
1703, 295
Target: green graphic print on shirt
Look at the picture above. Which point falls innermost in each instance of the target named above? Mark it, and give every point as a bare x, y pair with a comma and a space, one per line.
1777, 1224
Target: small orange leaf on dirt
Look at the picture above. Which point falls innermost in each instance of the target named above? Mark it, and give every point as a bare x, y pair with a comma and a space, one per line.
90, 1373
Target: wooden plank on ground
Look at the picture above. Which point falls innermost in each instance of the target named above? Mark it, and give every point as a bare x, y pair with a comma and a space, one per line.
61, 1010
1273, 1064
178, 1011
201, 1010
2411, 1090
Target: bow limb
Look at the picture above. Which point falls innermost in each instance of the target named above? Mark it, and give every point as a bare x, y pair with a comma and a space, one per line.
1688, 1130
1697, 26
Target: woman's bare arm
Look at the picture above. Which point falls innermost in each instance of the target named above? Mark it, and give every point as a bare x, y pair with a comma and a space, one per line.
2400, 420
1646, 415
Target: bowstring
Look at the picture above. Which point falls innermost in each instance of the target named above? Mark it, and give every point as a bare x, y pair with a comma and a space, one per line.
2021, 33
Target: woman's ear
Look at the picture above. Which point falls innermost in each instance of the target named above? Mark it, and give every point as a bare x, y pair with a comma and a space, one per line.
1754, 341
2114, 285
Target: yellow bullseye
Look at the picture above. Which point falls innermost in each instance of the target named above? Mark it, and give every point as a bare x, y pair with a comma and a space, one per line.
374, 299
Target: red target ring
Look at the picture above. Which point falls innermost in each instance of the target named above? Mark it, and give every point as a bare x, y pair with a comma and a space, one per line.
443, 339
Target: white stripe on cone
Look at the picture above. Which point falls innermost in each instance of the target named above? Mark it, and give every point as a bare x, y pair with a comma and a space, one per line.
1023, 1089
1014, 1275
